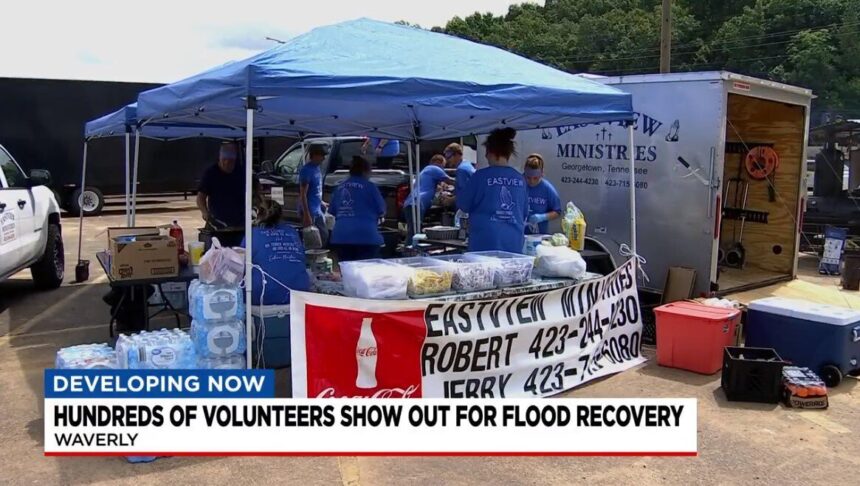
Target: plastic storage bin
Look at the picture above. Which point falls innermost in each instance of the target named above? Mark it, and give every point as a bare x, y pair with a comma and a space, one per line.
824, 338
469, 275
272, 326
509, 269
374, 279
691, 336
752, 375
429, 276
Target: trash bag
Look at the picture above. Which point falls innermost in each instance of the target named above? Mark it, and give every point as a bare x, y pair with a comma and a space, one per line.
559, 261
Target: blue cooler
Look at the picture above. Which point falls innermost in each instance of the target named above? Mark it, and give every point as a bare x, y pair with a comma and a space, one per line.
824, 338
272, 327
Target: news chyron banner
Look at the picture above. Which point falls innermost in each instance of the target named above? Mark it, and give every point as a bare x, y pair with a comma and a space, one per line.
233, 412
518, 347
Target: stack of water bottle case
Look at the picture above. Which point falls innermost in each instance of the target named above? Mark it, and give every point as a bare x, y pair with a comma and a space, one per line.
217, 339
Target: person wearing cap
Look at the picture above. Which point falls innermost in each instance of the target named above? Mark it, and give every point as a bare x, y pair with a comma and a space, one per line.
357, 206
544, 203
310, 191
428, 180
221, 194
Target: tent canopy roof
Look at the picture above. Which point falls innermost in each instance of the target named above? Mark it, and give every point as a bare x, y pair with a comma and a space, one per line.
125, 121
368, 77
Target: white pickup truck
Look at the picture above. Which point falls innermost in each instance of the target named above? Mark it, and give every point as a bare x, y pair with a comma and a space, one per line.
30, 234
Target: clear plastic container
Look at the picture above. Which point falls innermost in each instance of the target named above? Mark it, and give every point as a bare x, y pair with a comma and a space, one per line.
470, 275
430, 277
509, 269
375, 279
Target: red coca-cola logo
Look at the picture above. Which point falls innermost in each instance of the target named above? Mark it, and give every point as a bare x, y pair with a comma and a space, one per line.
333, 352
382, 393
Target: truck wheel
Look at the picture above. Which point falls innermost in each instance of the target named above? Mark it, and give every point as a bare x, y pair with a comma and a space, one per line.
831, 376
49, 271
92, 200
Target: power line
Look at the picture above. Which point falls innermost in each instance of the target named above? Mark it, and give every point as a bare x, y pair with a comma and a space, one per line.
714, 63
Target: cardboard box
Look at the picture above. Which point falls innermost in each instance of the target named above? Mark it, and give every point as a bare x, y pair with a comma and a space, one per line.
149, 255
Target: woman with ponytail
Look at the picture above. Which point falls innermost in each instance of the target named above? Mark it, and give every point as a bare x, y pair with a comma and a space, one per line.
496, 198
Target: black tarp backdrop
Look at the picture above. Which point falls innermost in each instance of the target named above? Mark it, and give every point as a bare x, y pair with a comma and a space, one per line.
42, 123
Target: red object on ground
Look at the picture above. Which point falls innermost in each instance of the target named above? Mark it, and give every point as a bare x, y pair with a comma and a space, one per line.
692, 336
176, 233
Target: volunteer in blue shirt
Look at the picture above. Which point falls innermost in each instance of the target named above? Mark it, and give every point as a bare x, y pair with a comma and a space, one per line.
310, 191
357, 206
278, 251
385, 151
465, 168
496, 199
428, 179
544, 203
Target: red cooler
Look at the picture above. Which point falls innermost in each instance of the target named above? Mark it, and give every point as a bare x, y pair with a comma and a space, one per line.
692, 336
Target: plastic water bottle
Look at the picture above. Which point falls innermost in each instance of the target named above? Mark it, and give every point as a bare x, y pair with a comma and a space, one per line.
162, 349
215, 303
87, 356
233, 362
218, 339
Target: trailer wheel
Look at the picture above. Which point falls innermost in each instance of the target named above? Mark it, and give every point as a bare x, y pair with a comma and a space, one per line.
91, 199
831, 375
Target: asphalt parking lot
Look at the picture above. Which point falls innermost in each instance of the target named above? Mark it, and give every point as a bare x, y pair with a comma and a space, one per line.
738, 443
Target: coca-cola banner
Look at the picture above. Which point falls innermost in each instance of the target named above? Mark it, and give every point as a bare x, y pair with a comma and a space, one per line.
527, 346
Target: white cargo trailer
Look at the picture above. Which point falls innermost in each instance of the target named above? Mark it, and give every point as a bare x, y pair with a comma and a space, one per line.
692, 135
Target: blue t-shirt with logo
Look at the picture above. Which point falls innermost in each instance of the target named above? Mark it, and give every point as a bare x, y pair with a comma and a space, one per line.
463, 174
357, 206
391, 148
310, 175
280, 253
497, 202
428, 179
543, 198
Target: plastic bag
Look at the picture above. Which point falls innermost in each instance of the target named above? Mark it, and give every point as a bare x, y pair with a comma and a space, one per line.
573, 226
311, 238
222, 265
559, 261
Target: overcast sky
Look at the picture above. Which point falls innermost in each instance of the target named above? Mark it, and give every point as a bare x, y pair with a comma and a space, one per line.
164, 41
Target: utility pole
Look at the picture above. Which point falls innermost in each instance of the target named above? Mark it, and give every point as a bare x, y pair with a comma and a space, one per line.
666, 36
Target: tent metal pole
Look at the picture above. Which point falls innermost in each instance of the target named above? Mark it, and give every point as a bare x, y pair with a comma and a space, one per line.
134, 176
418, 188
249, 173
632, 153
127, 176
411, 186
80, 200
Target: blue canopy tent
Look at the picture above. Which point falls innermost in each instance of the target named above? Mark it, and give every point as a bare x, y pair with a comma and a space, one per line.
124, 122
373, 78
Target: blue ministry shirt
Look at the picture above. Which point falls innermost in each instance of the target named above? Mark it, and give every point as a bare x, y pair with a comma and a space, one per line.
497, 202
281, 254
428, 179
310, 175
357, 206
543, 198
